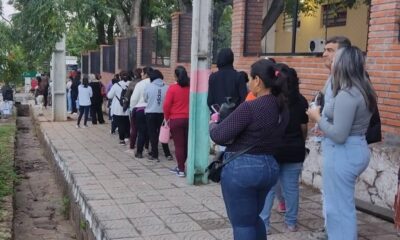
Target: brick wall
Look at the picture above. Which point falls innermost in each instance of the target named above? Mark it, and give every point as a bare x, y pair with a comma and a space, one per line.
383, 60
383, 57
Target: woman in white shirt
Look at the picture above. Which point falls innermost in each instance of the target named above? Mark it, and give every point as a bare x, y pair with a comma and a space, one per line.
84, 94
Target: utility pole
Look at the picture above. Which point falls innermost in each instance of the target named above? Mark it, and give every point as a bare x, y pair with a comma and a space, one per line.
58, 76
199, 142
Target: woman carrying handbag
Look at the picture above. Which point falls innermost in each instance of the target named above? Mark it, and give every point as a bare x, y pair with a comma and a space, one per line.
255, 126
176, 113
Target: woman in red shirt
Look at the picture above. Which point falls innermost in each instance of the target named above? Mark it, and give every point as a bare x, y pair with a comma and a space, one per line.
176, 111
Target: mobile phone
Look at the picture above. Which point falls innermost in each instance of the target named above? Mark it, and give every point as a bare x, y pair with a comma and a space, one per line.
215, 108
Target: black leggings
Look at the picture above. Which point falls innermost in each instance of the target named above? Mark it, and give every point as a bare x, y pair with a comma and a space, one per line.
122, 123
154, 121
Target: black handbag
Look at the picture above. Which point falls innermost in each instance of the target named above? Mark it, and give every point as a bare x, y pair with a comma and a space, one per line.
215, 168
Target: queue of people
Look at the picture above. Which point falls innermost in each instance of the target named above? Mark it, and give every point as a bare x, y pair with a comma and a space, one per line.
261, 119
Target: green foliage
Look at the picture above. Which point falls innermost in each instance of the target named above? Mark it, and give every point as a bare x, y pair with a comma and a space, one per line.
38, 26
223, 33
66, 202
309, 7
12, 60
7, 174
158, 10
80, 37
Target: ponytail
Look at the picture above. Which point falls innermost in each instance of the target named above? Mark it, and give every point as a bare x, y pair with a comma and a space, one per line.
267, 72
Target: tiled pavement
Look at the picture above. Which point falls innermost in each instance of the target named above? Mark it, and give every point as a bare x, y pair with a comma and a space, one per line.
128, 198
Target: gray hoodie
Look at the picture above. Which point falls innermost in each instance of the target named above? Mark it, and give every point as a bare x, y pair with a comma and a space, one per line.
154, 96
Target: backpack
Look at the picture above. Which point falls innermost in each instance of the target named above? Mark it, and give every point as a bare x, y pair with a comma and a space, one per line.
122, 95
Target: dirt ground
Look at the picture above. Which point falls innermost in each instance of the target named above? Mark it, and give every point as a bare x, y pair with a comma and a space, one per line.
40, 206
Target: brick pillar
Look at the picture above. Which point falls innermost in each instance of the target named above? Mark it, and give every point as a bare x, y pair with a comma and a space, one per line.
174, 39
139, 46
246, 28
185, 38
383, 60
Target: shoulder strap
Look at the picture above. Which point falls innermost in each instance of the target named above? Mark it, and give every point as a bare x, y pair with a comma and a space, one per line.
237, 154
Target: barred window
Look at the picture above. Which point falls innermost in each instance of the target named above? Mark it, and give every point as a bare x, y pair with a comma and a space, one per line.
334, 15
288, 22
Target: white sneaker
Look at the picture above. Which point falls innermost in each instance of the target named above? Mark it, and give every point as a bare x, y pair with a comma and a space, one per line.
77, 126
180, 174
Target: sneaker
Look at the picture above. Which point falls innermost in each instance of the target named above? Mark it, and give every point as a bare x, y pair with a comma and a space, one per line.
122, 142
170, 158
292, 228
77, 126
281, 207
174, 170
180, 174
138, 155
85, 126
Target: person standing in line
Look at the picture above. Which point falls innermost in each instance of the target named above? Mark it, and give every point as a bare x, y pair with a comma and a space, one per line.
74, 91
136, 77
260, 123
291, 154
69, 100
97, 99
44, 88
138, 105
120, 116
226, 82
84, 94
154, 96
344, 123
109, 102
176, 111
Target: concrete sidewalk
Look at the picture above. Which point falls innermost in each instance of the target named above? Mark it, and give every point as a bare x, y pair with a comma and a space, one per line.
126, 198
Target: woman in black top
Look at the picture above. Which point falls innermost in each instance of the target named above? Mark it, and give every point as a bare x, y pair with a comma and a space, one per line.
261, 123
291, 153
96, 111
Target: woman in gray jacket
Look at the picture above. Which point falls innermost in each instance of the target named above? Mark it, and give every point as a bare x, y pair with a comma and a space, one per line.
154, 96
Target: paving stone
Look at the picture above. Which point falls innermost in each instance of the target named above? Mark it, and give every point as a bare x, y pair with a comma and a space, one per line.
184, 227
146, 221
199, 235
121, 233
117, 224
175, 218
211, 224
151, 230
166, 211
163, 237
203, 215
136, 210
222, 234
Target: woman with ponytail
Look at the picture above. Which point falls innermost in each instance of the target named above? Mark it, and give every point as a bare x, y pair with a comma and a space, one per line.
255, 129
176, 111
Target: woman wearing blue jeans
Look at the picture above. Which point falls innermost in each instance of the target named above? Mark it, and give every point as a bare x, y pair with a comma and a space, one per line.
291, 154
246, 180
344, 122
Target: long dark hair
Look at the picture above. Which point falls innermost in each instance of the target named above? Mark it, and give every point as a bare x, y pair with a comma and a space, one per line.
265, 70
182, 76
348, 71
147, 70
289, 75
137, 74
155, 74
85, 81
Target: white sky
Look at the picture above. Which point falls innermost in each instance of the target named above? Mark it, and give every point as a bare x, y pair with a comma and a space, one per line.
8, 10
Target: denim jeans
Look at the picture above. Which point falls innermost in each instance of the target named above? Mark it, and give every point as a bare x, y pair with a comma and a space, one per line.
69, 102
289, 180
342, 164
245, 183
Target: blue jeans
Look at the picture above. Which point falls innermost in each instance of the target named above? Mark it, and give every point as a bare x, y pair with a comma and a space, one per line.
245, 183
342, 164
289, 174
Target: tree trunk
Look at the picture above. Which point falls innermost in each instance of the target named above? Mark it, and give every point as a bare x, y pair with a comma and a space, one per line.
185, 6
101, 34
110, 30
128, 28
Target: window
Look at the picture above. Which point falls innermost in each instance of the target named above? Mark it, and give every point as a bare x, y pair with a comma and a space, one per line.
334, 15
288, 22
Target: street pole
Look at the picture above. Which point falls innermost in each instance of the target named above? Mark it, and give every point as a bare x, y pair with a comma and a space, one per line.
58, 76
199, 143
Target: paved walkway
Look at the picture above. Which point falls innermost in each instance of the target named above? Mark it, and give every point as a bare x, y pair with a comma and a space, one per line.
127, 198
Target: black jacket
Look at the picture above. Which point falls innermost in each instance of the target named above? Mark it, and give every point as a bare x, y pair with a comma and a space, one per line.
226, 82
96, 89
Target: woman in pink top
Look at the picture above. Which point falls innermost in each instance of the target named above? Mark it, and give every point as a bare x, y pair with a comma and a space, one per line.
176, 110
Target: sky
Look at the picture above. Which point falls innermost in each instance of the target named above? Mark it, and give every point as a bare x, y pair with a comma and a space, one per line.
8, 10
